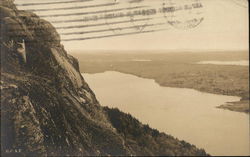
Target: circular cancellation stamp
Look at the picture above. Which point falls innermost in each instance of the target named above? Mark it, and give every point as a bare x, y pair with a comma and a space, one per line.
183, 14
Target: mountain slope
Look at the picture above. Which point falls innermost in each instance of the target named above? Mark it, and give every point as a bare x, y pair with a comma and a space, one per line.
47, 108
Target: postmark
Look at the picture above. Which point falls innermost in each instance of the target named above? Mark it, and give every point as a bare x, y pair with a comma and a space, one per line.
146, 14
112, 18
183, 14
134, 12
108, 18
241, 3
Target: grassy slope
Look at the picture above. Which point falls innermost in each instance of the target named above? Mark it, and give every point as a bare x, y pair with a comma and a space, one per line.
179, 70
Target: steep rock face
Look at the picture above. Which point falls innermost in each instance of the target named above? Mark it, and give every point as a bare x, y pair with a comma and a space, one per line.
46, 106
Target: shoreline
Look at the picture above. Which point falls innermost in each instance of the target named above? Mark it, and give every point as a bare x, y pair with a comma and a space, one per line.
237, 106
179, 70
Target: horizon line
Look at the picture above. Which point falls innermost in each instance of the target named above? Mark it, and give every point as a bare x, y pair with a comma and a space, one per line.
157, 50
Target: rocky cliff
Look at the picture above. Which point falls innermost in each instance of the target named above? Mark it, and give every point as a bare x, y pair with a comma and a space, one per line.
47, 109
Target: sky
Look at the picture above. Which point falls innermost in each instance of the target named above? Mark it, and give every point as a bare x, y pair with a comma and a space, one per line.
224, 27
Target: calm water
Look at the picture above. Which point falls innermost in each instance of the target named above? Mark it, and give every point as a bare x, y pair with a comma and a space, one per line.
184, 113
241, 63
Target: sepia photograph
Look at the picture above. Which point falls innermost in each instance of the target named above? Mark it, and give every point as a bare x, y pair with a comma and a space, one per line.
124, 78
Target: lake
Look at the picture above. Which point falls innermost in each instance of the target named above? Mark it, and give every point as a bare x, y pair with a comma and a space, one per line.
183, 113
240, 63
